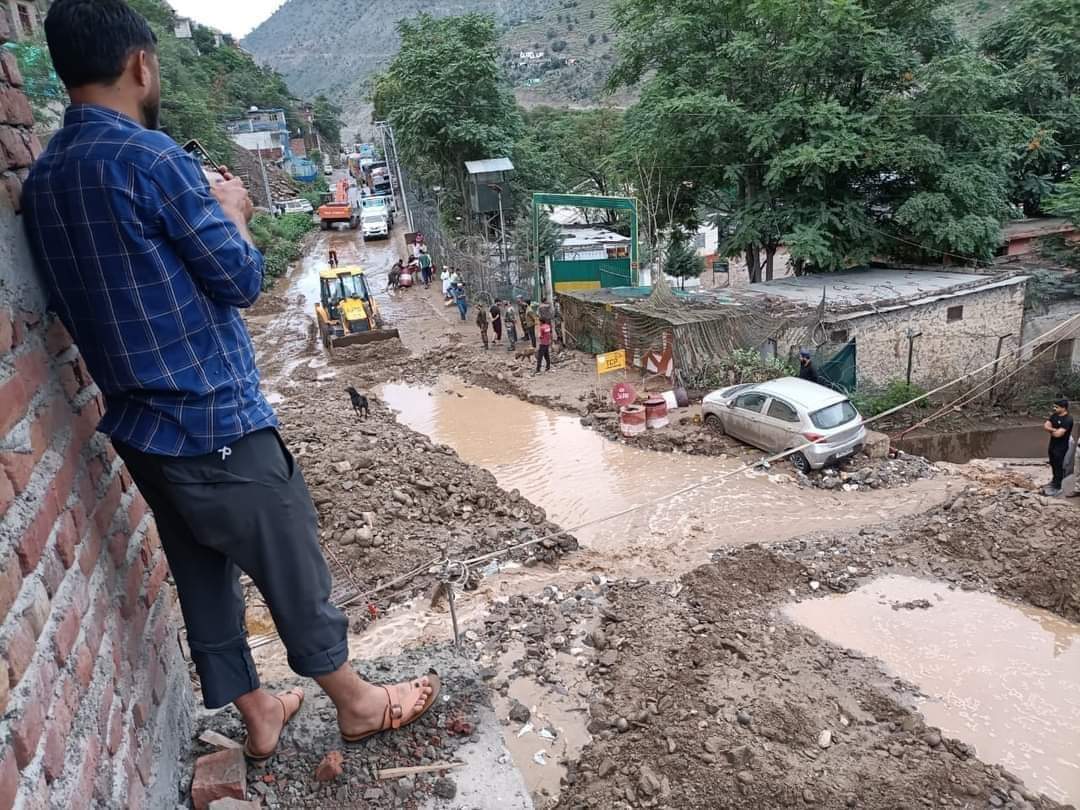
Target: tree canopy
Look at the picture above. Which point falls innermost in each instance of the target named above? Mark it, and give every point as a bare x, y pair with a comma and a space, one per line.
1037, 44
840, 129
446, 98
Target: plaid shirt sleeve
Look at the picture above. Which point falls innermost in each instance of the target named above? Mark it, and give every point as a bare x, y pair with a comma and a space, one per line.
224, 264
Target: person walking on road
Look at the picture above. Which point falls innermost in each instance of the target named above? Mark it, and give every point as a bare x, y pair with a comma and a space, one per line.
511, 326
1060, 428
543, 351
496, 320
425, 267
182, 405
482, 325
393, 278
444, 277
461, 301
530, 321
806, 368
333, 258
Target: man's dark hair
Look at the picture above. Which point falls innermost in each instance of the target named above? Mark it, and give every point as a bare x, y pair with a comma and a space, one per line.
91, 40
1062, 403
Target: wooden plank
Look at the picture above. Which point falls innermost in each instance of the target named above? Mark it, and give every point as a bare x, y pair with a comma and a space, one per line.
397, 773
218, 740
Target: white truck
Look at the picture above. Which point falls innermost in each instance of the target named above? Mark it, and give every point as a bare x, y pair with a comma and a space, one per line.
376, 222
384, 201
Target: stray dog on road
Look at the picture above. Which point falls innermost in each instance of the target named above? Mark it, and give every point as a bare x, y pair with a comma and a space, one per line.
359, 402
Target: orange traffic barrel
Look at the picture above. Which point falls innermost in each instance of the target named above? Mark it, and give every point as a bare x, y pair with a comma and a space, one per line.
632, 420
656, 411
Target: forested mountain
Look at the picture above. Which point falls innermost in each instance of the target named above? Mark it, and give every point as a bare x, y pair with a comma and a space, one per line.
337, 45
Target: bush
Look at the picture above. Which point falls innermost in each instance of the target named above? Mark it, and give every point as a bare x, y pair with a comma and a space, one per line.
558, 46
279, 240
1064, 383
874, 401
741, 366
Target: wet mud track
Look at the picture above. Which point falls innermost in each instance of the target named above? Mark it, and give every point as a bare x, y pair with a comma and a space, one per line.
686, 647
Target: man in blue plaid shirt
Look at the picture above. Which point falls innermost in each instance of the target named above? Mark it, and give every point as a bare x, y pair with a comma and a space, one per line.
147, 264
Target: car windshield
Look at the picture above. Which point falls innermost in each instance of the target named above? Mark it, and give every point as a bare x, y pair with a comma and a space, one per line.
835, 415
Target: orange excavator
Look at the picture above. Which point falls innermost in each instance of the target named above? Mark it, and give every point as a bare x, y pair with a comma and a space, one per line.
339, 209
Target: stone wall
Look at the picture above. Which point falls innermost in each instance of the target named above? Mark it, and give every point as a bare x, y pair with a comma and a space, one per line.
946, 349
95, 696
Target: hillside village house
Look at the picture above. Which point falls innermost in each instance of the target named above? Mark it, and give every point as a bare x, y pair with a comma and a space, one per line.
262, 130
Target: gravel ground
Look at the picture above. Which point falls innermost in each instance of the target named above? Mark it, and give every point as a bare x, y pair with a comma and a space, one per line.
451, 729
700, 695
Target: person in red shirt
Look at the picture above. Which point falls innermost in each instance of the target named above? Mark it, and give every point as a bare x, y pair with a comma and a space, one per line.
543, 351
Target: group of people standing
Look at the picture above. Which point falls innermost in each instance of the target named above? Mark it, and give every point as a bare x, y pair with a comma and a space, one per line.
534, 320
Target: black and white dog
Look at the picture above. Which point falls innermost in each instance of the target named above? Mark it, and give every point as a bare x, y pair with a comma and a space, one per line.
359, 402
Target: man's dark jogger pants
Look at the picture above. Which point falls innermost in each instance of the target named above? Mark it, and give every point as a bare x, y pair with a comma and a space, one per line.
243, 508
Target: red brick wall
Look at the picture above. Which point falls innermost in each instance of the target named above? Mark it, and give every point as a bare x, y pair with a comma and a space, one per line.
92, 683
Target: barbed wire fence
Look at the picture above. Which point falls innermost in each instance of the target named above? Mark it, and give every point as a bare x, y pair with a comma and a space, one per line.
476, 258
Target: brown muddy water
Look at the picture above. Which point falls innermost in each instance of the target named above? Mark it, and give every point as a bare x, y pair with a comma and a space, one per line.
578, 477
1023, 441
1000, 676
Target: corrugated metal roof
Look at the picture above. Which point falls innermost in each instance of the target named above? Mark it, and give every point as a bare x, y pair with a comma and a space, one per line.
489, 166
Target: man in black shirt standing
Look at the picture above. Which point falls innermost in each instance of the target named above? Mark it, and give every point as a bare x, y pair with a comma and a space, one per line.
806, 368
1059, 426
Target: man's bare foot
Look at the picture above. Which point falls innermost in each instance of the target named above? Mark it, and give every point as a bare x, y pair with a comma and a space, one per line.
265, 717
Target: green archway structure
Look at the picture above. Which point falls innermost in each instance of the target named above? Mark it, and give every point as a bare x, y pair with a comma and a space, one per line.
585, 201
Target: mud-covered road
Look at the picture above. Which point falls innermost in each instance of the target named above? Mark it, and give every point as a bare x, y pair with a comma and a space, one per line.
461, 457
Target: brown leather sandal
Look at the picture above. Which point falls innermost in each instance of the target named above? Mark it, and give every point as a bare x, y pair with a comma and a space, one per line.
259, 759
393, 714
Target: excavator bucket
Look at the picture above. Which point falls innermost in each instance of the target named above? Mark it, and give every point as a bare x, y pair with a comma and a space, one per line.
360, 338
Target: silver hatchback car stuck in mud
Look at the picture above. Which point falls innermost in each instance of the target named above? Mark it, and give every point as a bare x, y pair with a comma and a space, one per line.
787, 413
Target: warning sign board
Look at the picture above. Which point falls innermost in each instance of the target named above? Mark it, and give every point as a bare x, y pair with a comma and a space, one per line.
612, 361
623, 394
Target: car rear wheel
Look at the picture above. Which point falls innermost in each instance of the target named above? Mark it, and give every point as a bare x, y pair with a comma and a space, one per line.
802, 464
714, 423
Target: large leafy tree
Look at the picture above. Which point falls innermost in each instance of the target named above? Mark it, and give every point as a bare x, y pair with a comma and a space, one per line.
811, 123
446, 99
1038, 43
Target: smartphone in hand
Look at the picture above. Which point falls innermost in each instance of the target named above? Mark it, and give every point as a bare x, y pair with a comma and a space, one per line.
211, 168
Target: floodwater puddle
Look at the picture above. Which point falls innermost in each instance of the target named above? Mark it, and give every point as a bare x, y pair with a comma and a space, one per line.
1000, 676
1019, 441
579, 477
556, 729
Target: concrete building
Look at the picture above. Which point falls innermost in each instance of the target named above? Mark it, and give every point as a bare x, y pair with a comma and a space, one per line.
870, 326
262, 130
1022, 237
923, 326
731, 272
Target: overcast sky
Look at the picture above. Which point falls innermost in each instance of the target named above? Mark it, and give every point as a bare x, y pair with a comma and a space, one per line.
236, 17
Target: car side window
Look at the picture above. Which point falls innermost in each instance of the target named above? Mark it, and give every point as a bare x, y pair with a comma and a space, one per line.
780, 410
750, 402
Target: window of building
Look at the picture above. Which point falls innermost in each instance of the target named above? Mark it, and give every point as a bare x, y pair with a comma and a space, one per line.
782, 411
955, 314
839, 336
699, 241
26, 19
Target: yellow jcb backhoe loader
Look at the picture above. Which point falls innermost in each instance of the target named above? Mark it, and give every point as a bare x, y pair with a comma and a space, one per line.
348, 313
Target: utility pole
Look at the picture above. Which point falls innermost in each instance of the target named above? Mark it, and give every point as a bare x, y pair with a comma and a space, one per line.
391, 154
